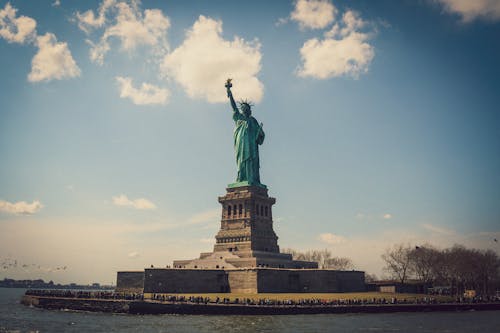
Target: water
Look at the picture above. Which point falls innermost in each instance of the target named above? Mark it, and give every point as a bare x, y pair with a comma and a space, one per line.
18, 318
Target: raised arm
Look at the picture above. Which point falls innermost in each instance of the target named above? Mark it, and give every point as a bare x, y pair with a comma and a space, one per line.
230, 95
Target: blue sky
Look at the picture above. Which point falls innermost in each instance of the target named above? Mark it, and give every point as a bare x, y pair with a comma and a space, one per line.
381, 118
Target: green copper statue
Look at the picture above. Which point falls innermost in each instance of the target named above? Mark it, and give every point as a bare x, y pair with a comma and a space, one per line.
248, 135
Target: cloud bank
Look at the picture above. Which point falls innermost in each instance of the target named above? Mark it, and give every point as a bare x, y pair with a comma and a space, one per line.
200, 64
127, 23
20, 207
53, 61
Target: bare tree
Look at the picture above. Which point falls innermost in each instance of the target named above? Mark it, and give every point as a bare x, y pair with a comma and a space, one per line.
458, 267
488, 271
291, 251
398, 262
324, 258
461, 266
370, 277
424, 261
339, 263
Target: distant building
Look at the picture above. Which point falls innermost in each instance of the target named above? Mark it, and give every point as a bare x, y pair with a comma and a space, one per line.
393, 286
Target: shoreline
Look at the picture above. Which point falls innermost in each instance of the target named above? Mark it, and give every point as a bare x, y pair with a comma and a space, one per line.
155, 307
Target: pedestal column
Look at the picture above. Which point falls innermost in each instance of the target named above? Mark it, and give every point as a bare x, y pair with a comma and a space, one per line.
247, 222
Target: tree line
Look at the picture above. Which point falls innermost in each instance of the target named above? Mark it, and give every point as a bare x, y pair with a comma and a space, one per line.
324, 258
457, 267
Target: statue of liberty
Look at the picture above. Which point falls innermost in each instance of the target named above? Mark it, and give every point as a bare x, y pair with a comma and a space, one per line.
248, 135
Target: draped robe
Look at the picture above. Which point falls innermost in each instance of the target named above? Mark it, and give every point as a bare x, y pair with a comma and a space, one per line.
248, 135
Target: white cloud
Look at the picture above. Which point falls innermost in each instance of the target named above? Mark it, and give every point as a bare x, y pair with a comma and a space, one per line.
133, 255
203, 62
387, 216
313, 14
20, 207
140, 203
146, 94
126, 22
88, 21
134, 30
343, 52
281, 21
16, 29
470, 10
437, 229
52, 61
56, 3
97, 51
331, 239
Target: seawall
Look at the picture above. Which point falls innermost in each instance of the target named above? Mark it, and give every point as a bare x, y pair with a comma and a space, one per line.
152, 307
77, 304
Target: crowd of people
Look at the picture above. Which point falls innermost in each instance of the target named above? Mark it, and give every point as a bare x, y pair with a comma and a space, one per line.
257, 302
84, 294
315, 301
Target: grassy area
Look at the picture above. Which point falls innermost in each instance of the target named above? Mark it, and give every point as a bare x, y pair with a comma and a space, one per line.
323, 296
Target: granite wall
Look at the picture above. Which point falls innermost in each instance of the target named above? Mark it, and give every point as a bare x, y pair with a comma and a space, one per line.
131, 281
352, 281
243, 281
309, 281
171, 280
252, 280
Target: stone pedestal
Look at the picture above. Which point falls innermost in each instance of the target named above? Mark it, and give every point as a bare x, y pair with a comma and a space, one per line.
245, 259
246, 237
247, 221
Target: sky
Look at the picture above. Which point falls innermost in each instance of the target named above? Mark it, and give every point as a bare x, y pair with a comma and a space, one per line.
382, 125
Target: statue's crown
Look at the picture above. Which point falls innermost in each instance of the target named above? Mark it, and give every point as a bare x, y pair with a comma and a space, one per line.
245, 102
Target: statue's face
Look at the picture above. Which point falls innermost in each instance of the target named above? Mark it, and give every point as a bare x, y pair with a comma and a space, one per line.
247, 111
